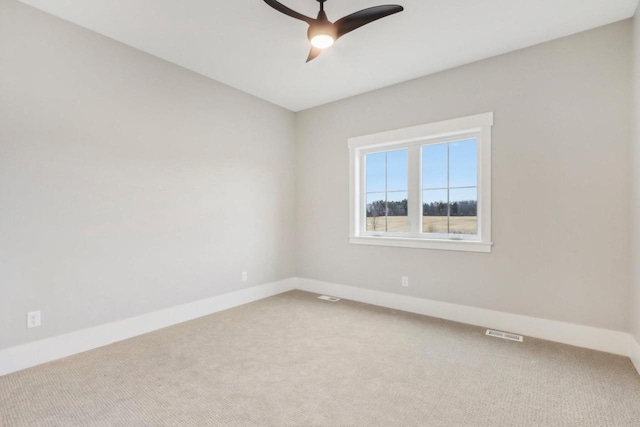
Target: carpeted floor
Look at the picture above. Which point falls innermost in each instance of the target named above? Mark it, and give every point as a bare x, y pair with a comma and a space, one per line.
296, 360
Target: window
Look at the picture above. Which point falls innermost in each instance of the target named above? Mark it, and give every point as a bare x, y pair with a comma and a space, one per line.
423, 187
386, 190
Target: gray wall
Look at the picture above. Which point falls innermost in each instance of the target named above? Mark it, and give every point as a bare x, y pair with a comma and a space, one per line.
128, 184
561, 183
636, 178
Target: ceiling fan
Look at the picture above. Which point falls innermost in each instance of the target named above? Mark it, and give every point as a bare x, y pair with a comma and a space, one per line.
323, 33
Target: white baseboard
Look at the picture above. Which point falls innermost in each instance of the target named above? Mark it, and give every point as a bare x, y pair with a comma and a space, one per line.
582, 336
38, 352
634, 352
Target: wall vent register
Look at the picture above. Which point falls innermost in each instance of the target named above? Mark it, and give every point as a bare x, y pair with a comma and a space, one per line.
328, 298
505, 335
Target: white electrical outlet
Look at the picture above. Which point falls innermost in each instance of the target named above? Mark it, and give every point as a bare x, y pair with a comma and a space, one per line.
33, 319
245, 276
405, 282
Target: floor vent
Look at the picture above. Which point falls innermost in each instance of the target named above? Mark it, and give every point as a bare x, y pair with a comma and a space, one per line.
505, 335
328, 298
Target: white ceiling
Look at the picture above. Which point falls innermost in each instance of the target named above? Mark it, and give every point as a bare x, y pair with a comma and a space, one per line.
248, 45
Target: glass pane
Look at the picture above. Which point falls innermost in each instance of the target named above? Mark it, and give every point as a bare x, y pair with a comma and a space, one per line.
376, 212
397, 220
375, 167
434, 166
463, 163
463, 211
434, 211
397, 170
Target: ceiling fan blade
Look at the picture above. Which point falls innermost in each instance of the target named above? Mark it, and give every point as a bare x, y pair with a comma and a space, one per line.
363, 17
314, 53
292, 13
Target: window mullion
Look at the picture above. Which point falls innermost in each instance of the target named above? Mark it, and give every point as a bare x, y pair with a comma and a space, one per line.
448, 189
363, 194
414, 208
386, 192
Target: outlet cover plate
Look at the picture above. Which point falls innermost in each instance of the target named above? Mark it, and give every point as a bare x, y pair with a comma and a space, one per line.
33, 319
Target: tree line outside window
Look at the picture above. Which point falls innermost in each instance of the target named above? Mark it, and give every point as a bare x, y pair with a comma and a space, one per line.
460, 208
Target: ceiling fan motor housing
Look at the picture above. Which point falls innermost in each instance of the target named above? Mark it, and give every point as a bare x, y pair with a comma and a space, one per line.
322, 27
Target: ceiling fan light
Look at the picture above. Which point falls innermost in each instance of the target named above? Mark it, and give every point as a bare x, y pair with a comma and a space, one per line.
322, 41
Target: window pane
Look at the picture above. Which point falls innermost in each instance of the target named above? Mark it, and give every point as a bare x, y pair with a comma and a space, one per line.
375, 167
463, 211
434, 166
397, 220
397, 170
463, 163
376, 212
434, 211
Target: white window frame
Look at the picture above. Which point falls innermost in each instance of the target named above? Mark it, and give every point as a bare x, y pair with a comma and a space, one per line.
413, 138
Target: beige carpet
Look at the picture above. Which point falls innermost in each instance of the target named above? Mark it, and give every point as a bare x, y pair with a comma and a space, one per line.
295, 360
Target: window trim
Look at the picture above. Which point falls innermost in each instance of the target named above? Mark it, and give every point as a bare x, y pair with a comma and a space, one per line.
477, 126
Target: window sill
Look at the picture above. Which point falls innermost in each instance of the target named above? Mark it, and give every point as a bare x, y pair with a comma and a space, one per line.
446, 245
